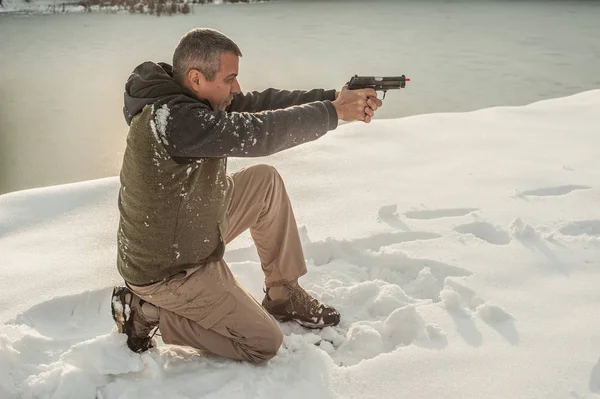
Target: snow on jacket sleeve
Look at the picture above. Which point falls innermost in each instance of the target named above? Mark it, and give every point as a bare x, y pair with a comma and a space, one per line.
191, 129
272, 99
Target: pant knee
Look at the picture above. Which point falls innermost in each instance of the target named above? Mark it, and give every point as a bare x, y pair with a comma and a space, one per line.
265, 348
274, 343
266, 171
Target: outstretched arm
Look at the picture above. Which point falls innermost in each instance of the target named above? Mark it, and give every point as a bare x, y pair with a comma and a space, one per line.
274, 99
190, 129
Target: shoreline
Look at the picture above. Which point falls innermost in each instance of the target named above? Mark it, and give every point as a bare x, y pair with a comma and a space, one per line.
50, 8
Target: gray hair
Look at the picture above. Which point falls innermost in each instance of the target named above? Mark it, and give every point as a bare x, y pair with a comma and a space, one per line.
201, 49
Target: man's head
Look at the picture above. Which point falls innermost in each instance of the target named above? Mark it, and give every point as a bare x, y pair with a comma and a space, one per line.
207, 63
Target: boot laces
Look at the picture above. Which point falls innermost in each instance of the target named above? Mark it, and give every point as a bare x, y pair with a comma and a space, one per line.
298, 295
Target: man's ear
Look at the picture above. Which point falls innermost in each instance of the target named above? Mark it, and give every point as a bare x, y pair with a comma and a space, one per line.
196, 79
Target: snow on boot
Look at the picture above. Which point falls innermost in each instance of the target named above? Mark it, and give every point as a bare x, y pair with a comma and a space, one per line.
130, 319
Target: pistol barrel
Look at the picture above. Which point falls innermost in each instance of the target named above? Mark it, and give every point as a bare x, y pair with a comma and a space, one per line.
378, 83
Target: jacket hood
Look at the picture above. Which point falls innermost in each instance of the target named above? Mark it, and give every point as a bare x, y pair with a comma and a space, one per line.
148, 83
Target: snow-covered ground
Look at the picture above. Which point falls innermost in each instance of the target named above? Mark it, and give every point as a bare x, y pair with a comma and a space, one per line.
462, 249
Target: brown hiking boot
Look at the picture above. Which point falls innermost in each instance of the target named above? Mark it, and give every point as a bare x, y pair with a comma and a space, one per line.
131, 320
294, 303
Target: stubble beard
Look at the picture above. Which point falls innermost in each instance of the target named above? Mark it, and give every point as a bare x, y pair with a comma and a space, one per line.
225, 104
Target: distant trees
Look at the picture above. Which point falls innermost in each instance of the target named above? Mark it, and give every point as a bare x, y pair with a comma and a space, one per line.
158, 7
152, 7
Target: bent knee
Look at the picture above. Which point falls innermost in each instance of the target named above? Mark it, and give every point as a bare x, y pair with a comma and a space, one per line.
266, 347
265, 170
273, 343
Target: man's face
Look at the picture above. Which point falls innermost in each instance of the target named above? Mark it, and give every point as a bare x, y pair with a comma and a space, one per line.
221, 89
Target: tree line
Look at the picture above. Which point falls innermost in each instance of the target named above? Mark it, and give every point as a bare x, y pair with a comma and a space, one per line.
151, 7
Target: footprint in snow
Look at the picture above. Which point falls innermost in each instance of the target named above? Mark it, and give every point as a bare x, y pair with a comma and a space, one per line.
463, 304
584, 227
486, 232
389, 215
552, 191
439, 213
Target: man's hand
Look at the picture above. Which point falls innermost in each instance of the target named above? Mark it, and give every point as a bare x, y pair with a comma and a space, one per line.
356, 105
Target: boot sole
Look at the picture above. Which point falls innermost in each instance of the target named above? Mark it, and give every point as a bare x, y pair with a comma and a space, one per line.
314, 326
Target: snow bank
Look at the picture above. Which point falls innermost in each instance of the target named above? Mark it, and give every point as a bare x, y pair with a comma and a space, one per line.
462, 249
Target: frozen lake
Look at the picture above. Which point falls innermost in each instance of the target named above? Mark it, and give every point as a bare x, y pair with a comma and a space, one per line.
62, 76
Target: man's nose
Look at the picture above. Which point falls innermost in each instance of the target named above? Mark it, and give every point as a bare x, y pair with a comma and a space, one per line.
235, 89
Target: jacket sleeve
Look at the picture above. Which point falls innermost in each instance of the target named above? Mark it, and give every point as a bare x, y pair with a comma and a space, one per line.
192, 130
273, 99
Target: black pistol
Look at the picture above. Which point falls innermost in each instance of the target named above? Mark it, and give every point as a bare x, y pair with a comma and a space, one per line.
378, 84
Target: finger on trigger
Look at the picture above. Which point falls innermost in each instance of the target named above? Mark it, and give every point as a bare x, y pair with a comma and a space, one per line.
371, 93
368, 92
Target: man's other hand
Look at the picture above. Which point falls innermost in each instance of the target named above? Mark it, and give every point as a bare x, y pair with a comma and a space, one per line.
356, 105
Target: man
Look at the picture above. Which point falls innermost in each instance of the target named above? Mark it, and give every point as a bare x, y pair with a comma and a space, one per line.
179, 208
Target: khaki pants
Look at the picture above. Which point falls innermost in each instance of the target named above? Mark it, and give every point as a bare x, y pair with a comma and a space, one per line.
205, 307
